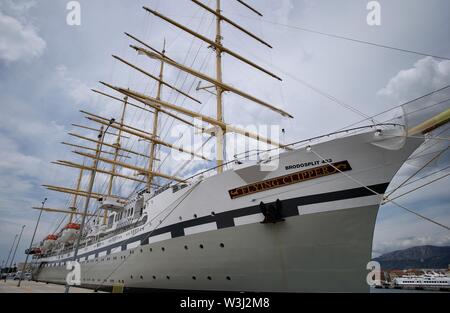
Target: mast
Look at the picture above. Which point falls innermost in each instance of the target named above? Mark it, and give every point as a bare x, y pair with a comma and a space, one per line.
116, 155
217, 82
220, 136
147, 173
51, 210
151, 101
75, 196
101, 137
156, 121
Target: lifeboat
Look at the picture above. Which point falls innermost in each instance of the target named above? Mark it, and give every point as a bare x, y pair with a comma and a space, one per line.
69, 233
33, 251
49, 242
36, 251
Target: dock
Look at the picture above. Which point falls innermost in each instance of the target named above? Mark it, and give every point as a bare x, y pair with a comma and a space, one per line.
10, 286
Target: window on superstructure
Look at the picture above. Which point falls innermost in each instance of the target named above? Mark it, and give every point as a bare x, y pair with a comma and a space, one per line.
110, 220
139, 206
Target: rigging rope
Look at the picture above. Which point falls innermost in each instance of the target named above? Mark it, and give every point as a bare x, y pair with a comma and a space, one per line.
420, 187
365, 42
376, 193
312, 87
418, 171
426, 176
404, 104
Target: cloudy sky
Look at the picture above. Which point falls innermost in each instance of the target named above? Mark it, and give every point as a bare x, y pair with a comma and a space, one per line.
48, 67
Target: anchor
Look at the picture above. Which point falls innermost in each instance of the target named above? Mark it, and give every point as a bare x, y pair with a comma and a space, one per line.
272, 213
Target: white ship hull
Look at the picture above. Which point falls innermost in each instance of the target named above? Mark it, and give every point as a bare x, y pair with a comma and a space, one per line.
201, 239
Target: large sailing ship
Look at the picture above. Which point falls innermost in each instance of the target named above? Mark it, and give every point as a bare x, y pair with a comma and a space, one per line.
296, 218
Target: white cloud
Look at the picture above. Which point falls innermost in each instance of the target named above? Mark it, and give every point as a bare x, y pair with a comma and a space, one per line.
13, 160
427, 74
399, 229
76, 89
285, 7
19, 41
18, 5
21, 172
12, 225
408, 242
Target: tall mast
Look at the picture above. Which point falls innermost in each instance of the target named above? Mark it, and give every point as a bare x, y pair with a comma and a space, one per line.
116, 155
98, 153
219, 91
75, 197
155, 122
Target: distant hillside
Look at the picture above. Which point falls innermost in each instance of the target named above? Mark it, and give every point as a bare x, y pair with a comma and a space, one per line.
416, 257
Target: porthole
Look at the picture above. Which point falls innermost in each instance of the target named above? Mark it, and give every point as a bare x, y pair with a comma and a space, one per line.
209, 278
168, 277
186, 247
141, 277
195, 215
131, 276
154, 277
213, 213
222, 245
151, 249
180, 218
201, 246
228, 278
163, 249
142, 250
194, 278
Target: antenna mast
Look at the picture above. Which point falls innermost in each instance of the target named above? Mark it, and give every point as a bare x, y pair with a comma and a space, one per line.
75, 196
220, 135
116, 155
156, 121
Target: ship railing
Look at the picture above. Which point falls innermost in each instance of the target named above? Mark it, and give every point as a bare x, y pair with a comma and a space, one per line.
261, 155
265, 155
314, 140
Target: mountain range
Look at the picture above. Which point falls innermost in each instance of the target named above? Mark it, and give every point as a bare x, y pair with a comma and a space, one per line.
430, 257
